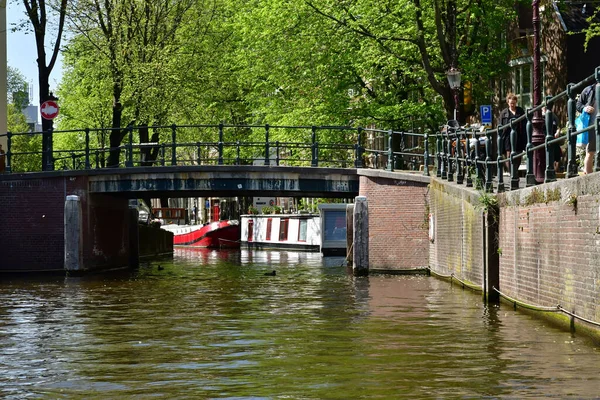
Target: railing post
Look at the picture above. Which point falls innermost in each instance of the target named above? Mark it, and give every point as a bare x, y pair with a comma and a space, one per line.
478, 169
597, 123
468, 160
449, 156
390, 160
49, 151
458, 157
98, 159
8, 167
314, 149
426, 155
163, 152
277, 153
87, 148
173, 144
237, 152
489, 185
443, 156
550, 172
358, 161
530, 179
438, 150
129, 162
499, 165
267, 150
514, 168
220, 144
571, 138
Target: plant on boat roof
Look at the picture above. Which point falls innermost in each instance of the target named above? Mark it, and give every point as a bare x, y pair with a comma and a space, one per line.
276, 209
267, 210
252, 210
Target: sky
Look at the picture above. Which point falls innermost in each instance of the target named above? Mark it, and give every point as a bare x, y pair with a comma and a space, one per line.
21, 52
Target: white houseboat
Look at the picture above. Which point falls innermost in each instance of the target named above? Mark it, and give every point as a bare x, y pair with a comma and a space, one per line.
325, 232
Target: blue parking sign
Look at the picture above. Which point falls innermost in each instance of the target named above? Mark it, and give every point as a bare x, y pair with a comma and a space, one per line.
486, 115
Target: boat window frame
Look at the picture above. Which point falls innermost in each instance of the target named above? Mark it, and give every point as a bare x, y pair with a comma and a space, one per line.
269, 227
284, 226
251, 230
305, 222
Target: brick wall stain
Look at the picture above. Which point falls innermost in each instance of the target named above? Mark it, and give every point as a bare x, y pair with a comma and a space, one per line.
458, 245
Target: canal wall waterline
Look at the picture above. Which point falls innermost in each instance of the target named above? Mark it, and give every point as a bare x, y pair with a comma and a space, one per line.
538, 245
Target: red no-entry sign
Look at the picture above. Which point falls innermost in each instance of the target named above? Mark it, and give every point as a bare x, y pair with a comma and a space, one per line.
49, 109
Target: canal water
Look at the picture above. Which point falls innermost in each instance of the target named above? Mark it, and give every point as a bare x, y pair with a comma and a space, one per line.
210, 324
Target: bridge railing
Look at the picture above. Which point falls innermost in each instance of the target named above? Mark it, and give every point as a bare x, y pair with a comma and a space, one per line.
171, 145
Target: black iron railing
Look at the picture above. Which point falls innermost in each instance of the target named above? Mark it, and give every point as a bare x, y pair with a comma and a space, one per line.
311, 146
464, 154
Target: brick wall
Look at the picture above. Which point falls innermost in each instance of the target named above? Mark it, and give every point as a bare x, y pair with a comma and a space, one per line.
549, 245
397, 218
32, 215
106, 244
458, 224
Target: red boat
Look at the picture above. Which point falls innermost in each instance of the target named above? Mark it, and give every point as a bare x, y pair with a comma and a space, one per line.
218, 234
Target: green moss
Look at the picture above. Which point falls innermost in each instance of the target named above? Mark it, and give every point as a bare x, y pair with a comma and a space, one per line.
552, 195
534, 197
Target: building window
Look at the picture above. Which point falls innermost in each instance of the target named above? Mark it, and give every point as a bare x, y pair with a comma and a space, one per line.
522, 80
302, 230
283, 229
250, 230
269, 223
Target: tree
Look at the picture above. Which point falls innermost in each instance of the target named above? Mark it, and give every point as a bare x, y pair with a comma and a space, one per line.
38, 13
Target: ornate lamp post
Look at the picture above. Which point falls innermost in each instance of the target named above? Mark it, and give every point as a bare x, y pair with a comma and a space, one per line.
454, 82
538, 137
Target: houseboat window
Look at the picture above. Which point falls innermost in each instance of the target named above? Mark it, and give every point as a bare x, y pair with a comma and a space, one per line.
302, 230
250, 230
335, 225
269, 223
283, 229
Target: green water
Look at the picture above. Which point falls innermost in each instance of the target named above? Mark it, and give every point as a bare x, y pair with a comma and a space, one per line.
210, 324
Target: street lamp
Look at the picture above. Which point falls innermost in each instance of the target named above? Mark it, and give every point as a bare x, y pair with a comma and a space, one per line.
454, 82
538, 136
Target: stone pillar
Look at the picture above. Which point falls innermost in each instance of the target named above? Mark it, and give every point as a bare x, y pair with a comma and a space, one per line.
360, 251
349, 233
134, 235
73, 235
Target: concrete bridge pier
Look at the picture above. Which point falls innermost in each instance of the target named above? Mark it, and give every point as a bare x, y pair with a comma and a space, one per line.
360, 244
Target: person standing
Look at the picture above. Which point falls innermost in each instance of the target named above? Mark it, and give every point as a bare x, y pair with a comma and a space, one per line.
509, 113
586, 102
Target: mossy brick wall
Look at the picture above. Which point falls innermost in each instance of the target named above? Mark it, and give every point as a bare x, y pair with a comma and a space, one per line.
458, 224
550, 245
397, 218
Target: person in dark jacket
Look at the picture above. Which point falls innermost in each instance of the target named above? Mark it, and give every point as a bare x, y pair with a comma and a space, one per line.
512, 112
587, 102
